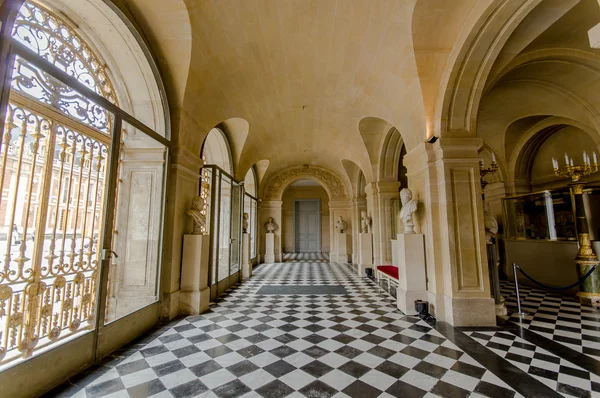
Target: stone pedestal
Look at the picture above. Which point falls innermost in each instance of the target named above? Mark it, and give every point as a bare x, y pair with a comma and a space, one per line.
195, 293
246, 265
365, 253
269, 248
342, 248
409, 250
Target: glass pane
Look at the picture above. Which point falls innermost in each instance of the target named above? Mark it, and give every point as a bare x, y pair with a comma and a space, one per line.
215, 235
254, 229
52, 180
545, 215
137, 233
236, 233
224, 227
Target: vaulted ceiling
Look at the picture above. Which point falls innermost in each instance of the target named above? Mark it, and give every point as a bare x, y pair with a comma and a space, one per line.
301, 79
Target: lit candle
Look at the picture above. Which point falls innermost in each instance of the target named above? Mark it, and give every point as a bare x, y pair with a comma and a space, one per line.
571, 162
482, 163
493, 157
554, 163
595, 159
567, 158
585, 158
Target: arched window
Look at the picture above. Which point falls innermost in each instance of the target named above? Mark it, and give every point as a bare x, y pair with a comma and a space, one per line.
251, 208
68, 188
250, 182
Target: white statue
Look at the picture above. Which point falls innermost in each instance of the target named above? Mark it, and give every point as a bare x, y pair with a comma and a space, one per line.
196, 213
245, 223
409, 206
341, 225
490, 224
271, 226
365, 222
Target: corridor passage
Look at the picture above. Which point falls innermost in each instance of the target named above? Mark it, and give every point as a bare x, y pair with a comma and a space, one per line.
308, 329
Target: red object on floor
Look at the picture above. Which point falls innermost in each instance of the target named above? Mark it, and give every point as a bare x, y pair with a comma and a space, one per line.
390, 270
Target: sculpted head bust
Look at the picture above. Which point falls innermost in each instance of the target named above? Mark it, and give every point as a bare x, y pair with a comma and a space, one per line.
271, 226
409, 206
196, 213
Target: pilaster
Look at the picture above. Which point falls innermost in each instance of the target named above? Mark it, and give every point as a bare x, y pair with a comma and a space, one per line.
444, 177
184, 184
379, 196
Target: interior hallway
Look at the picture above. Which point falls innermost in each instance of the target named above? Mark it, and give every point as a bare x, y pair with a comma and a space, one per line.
335, 335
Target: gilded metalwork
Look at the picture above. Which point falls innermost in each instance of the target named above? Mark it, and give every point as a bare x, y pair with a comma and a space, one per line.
40, 85
49, 36
205, 182
576, 172
52, 186
585, 255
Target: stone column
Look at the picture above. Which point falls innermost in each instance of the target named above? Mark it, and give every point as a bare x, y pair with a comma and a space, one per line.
183, 185
341, 208
266, 209
444, 177
246, 263
379, 196
365, 253
358, 205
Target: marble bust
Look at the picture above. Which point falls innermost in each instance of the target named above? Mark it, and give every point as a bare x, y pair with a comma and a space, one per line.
271, 226
196, 213
409, 206
491, 226
365, 222
245, 223
341, 225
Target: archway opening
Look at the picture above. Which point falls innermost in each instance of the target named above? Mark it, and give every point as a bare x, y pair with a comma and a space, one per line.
305, 220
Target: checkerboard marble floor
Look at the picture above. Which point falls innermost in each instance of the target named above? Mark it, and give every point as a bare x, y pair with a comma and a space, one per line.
310, 256
344, 345
552, 370
557, 317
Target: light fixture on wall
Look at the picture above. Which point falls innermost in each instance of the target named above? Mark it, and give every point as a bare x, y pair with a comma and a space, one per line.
576, 172
483, 171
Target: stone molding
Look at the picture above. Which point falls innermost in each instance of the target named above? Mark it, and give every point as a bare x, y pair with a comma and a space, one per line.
332, 183
186, 158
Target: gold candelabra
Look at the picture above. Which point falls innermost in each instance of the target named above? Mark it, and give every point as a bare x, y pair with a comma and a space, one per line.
576, 172
483, 171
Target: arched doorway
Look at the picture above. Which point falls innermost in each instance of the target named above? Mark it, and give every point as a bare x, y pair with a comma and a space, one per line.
305, 223
339, 204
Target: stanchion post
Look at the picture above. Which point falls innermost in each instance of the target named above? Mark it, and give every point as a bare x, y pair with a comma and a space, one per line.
520, 313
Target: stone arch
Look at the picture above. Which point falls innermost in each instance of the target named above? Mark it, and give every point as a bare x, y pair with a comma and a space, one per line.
584, 59
354, 174
522, 156
216, 150
111, 30
463, 84
335, 186
390, 156
251, 182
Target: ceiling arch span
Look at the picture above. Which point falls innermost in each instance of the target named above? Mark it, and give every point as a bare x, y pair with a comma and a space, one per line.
522, 157
335, 186
355, 175
590, 111
586, 59
466, 76
390, 153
